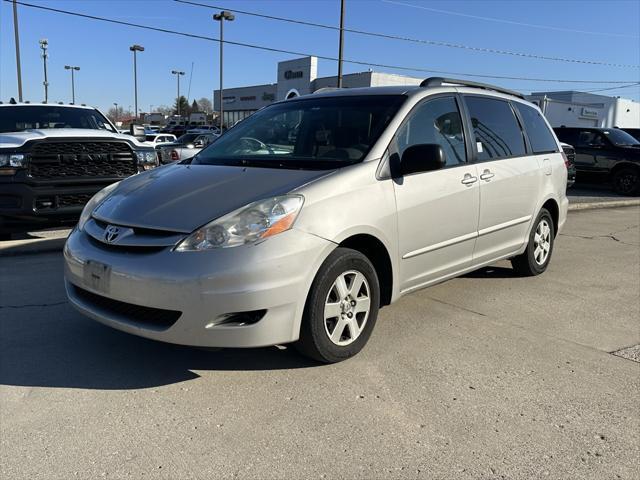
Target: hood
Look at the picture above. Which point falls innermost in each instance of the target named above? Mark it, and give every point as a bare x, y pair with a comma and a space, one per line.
18, 139
184, 197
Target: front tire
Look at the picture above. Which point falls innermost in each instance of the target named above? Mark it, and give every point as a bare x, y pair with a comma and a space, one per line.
536, 257
626, 181
341, 309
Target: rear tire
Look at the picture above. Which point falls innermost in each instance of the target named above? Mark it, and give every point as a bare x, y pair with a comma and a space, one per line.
626, 181
536, 257
341, 309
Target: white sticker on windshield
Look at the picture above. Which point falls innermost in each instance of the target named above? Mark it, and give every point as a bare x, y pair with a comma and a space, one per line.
479, 146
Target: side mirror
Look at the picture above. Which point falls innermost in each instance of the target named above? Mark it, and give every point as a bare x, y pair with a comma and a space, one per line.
198, 143
423, 157
138, 132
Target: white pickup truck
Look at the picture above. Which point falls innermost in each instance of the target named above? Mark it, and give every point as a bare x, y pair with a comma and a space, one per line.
54, 158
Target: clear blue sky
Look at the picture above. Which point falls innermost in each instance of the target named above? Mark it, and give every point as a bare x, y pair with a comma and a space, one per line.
605, 31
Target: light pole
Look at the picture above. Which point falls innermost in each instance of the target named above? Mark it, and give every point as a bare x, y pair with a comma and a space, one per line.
116, 105
73, 81
44, 45
135, 49
17, 37
177, 73
341, 44
221, 17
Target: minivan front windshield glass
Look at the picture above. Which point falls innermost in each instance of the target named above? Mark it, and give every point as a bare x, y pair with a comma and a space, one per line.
311, 133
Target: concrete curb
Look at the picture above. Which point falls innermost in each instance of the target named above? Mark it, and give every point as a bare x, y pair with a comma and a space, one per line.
595, 205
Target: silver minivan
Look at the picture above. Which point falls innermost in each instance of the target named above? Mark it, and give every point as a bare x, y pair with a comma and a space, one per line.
303, 220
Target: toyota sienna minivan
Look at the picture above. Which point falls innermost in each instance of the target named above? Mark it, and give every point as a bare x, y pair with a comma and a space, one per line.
303, 220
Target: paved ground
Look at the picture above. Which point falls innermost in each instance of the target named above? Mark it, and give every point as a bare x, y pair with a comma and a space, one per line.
486, 376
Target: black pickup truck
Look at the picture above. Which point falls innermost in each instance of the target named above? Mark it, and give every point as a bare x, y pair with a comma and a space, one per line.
54, 158
605, 155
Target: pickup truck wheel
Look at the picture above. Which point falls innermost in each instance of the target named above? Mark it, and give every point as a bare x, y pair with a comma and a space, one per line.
535, 258
626, 181
341, 309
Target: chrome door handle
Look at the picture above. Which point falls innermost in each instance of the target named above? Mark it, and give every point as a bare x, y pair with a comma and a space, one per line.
487, 175
469, 179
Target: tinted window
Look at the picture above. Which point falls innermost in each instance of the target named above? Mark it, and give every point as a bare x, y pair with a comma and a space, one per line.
320, 132
435, 121
25, 117
567, 136
496, 129
540, 137
590, 138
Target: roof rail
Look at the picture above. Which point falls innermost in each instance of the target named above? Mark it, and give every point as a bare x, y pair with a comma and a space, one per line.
438, 81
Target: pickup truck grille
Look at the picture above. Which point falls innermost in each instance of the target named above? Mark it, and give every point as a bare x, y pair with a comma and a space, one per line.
68, 160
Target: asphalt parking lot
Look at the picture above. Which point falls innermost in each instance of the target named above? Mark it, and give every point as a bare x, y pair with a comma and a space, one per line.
485, 376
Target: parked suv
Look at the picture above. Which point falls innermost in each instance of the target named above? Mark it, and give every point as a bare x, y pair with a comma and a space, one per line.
261, 240
54, 158
605, 155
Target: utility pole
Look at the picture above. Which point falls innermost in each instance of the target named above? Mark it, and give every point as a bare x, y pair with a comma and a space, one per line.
73, 82
341, 45
135, 49
43, 45
116, 105
221, 17
177, 73
17, 36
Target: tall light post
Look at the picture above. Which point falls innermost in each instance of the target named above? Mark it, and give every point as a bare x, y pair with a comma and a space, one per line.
135, 49
178, 73
73, 81
116, 105
341, 44
17, 37
221, 17
44, 44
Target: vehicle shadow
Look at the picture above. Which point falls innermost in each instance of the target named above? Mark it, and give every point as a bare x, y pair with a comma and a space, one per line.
492, 272
67, 350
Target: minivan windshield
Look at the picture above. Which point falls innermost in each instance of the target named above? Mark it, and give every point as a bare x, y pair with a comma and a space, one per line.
310, 133
27, 117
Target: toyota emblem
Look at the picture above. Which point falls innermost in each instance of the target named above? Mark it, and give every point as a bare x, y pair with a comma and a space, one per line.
111, 233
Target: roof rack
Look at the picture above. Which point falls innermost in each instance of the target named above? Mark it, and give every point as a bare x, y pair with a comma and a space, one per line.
438, 81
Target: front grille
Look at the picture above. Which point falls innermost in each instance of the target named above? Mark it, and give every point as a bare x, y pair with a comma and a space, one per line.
73, 200
66, 160
148, 317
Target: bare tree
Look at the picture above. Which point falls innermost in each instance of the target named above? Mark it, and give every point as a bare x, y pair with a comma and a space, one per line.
205, 105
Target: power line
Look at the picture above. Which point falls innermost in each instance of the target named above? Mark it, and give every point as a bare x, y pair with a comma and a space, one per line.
510, 22
637, 84
412, 40
306, 54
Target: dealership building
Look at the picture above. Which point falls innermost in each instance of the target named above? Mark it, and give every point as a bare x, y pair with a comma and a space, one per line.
300, 77
297, 77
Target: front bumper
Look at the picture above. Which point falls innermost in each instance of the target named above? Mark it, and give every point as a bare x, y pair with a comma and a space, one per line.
24, 206
274, 275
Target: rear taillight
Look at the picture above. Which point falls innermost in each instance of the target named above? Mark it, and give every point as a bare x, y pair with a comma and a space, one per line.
566, 160
175, 155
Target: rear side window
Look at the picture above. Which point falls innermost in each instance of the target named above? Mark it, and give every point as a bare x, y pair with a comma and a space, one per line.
540, 137
496, 129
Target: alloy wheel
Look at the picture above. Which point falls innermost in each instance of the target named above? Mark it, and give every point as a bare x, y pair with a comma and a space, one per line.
347, 307
542, 242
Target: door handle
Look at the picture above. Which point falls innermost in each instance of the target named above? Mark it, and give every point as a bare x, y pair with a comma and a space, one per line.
487, 175
469, 179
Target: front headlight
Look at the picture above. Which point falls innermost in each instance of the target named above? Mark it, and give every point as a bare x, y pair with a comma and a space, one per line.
147, 158
249, 224
93, 203
13, 160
